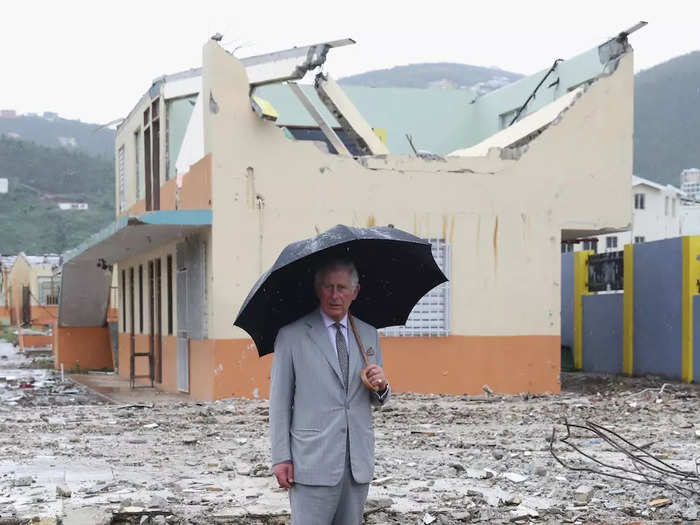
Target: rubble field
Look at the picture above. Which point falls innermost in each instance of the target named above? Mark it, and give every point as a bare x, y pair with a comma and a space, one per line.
72, 458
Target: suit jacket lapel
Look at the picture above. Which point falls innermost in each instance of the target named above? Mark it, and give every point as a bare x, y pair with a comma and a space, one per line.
319, 335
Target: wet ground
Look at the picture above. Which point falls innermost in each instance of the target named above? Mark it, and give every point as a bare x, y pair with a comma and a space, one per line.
66, 454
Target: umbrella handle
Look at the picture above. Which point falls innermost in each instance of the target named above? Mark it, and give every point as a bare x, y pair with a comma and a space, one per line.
363, 373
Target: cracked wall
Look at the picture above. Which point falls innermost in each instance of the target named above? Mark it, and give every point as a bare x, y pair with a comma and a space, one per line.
505, 215
503, 219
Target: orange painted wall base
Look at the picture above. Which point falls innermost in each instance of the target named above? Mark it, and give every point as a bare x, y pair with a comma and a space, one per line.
447, 365
44, 315
141, 363
83, 348
169, 359
464, 364
5, 315
37, 340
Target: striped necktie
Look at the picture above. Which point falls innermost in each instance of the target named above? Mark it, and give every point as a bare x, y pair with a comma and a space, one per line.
342, 347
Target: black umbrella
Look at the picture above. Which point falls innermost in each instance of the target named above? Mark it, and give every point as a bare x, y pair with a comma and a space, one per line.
395, 268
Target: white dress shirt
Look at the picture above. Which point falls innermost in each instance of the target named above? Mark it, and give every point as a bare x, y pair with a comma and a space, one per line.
331, 329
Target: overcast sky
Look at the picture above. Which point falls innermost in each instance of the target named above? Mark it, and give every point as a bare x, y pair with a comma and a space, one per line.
93, 60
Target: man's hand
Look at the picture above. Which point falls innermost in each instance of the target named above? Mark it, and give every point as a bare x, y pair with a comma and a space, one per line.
376, 376
284, 472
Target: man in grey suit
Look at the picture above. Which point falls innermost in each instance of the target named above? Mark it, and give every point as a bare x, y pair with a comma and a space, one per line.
320, 411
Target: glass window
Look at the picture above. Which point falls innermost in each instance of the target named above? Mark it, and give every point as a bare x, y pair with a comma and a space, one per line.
590, 245
638, 201
48, 290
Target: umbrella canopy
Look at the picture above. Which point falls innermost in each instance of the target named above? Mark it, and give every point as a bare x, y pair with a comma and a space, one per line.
395, 269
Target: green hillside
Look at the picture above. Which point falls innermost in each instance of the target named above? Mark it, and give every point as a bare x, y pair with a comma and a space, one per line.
667, 119
441, 74
52, 160
666, 106
39, 178
57, 132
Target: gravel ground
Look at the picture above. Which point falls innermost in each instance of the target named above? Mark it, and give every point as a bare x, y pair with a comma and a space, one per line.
440, 459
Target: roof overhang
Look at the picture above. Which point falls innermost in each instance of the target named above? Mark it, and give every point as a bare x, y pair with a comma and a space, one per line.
134, 234
86, 275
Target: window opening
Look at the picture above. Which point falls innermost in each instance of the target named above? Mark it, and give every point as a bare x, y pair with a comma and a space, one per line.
170, 294
123, 305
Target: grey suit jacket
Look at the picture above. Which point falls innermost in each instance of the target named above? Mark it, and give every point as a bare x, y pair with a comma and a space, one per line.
310, 414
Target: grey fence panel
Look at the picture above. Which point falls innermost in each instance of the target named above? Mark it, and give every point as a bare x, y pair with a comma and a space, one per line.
602, 332
658, 311
567, 299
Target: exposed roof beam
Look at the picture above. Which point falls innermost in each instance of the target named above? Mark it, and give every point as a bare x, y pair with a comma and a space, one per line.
348, 116
326, 129
289, 64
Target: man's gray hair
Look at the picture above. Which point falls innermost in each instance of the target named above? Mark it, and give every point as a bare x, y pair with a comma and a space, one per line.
336, 264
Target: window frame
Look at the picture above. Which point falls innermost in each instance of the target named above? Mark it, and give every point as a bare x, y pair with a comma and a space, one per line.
611, 242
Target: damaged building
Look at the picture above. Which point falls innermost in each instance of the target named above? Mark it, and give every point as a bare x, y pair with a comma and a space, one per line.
218, 168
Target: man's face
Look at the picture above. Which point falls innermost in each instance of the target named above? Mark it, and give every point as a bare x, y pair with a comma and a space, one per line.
336, 293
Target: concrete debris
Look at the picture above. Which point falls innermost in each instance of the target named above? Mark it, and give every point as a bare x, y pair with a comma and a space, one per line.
514, 477
470, 460
63, 491
429, 518
539, 470
24, 481
583, 495
523, 512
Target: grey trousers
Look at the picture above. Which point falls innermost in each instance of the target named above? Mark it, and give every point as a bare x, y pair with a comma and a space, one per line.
342, 504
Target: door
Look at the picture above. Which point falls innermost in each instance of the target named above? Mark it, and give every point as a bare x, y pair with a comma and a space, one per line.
151, 320
132, 316
26, 306
183, 341
158, 322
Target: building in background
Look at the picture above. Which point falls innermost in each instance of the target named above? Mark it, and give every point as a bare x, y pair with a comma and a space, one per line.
690, 183
73, 206
218, 168
657, 212
33, 290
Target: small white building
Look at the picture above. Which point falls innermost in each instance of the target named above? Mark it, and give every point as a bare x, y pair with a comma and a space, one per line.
73, 205
656, 215
690, 183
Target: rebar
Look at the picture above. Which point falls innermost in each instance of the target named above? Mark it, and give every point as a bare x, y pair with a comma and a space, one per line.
645, 467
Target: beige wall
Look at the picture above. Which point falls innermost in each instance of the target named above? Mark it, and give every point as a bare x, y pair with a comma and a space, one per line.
502, 218
24, 274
